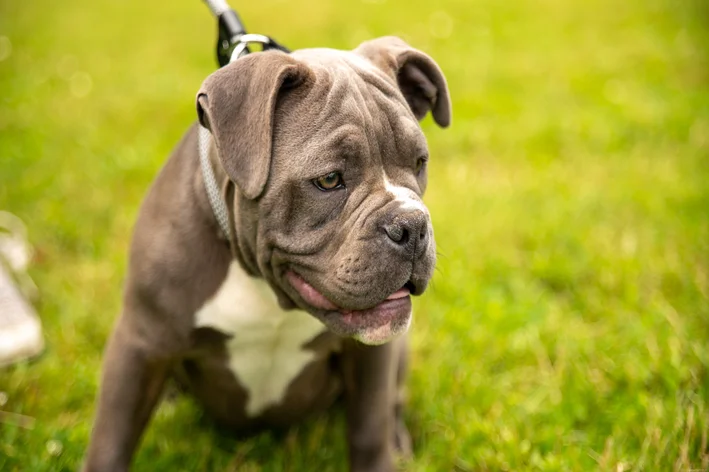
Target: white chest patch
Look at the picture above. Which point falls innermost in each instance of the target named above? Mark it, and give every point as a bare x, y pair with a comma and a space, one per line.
266, 349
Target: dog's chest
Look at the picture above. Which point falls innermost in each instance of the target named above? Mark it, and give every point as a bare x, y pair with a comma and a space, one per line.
266, 346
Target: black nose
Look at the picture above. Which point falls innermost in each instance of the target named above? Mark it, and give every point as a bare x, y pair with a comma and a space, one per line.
408, 229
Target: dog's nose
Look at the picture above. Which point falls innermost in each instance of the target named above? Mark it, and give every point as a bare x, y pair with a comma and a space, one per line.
408, 229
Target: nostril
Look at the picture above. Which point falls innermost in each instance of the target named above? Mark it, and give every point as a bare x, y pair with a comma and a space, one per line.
397, 233
404, 236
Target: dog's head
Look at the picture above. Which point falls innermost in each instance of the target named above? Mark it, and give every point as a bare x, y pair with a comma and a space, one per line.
330, 162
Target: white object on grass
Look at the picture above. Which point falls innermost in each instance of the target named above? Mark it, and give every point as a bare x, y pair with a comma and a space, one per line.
20, 329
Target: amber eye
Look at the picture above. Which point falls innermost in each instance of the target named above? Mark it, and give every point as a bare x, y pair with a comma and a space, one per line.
331, 181
420, 164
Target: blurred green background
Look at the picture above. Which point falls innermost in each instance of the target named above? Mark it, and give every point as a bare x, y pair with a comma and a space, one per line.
567, 327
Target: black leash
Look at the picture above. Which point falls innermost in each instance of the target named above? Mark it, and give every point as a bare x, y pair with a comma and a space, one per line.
233, 40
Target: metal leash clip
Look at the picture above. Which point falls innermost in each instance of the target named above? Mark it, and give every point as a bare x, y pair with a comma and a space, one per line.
233, 40
242, 45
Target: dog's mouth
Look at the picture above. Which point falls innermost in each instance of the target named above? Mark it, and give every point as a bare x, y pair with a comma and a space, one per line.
376, 325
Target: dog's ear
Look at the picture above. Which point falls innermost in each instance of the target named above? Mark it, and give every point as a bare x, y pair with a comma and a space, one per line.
419, 78
237, 104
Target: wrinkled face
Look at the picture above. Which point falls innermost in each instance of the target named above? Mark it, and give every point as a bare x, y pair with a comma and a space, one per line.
330, 209
348, 236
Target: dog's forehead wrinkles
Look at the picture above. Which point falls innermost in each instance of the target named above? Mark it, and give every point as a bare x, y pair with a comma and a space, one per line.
341, 101
354, 80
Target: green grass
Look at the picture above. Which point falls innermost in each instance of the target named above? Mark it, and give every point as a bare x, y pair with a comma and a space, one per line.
568, 325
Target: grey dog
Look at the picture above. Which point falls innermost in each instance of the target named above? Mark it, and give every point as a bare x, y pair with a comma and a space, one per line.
304, 297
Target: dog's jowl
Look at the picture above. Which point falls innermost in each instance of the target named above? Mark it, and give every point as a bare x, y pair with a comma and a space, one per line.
276, 275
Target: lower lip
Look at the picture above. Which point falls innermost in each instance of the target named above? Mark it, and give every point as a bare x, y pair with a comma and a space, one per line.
381, 314
397, 305
317, 300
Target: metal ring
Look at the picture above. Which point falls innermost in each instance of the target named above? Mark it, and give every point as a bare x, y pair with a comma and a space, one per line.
244, 41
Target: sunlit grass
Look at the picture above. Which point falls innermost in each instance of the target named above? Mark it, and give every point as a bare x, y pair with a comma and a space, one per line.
567, 327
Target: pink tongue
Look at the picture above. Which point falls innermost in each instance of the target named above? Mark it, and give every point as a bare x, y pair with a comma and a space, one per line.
401, 293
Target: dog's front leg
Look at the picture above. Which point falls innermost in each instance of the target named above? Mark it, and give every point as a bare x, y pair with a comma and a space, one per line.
370, 382
133, 378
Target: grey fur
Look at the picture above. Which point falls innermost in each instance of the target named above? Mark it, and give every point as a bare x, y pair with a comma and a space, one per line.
278, 122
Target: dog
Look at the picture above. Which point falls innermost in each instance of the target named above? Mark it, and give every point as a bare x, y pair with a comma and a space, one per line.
303, 294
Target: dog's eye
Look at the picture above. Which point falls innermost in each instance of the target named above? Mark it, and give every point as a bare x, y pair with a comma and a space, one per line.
420, 164
331, 181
